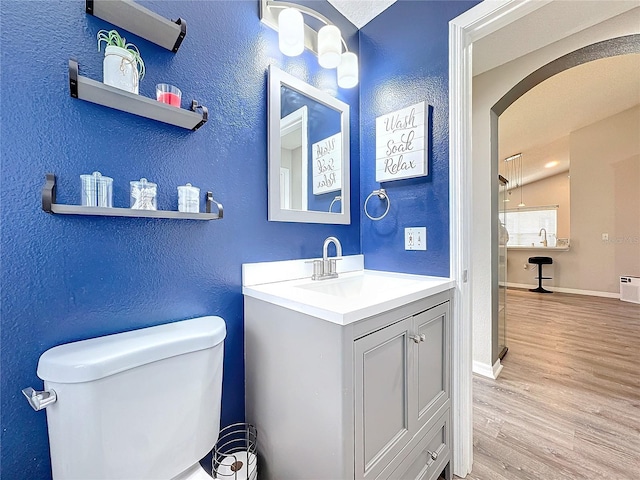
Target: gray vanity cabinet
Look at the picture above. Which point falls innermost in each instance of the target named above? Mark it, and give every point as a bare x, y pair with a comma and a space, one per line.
401, 381
384, 396
366, 400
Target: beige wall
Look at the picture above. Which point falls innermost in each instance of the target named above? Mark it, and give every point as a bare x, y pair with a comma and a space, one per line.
626, 228
549, 191
605, 199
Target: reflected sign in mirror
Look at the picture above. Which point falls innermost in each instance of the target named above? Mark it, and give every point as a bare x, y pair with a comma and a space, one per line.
308, 153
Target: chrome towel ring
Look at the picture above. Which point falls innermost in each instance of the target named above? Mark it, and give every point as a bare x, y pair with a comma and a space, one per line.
382, 194
338, 198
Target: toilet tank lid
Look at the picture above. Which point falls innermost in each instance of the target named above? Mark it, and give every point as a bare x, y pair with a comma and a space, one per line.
100, 357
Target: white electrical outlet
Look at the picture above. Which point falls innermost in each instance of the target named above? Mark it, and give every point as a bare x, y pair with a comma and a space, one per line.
415, 238
605, 237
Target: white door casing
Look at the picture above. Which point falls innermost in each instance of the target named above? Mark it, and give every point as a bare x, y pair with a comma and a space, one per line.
483, 19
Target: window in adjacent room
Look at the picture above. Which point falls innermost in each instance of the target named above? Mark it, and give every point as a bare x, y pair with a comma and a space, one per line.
525, 225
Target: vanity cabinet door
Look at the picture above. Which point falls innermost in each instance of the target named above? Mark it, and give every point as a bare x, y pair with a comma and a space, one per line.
432, 365
384, 388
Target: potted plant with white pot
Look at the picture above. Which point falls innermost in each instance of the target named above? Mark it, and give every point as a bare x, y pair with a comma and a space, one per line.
122, 66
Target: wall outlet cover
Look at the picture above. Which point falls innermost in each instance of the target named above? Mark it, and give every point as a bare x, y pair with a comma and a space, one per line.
415, 238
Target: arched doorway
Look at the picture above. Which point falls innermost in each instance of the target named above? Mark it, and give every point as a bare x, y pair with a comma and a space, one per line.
465, 31
614, 47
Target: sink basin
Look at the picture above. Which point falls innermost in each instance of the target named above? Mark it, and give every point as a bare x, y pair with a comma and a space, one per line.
370, 285
355, 295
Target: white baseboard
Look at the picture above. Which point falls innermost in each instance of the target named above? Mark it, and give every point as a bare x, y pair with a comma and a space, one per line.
575, 291
487, 370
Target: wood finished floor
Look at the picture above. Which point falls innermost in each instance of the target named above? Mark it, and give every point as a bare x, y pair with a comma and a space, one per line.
567, 403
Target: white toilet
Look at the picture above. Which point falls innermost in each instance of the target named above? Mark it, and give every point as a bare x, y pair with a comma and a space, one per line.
137, 405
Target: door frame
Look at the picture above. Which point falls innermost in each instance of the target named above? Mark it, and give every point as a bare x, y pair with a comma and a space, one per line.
472, 25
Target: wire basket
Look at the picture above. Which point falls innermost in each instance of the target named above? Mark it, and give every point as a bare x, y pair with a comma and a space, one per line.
235, 456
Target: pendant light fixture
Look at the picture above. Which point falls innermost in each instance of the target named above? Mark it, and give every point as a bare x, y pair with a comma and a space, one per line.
510, 176
521, 204
514, 169
294, 35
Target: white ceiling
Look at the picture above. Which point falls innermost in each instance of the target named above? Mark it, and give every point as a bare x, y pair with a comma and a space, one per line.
518, 38
549, 23
539, 122
361, 12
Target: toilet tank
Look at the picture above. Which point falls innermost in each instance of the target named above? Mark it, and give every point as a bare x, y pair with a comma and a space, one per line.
137, 405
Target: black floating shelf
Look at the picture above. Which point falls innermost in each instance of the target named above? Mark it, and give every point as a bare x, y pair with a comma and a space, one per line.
49, 205
90, 90
140, 21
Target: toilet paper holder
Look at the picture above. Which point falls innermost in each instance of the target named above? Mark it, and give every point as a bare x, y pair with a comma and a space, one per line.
235, 455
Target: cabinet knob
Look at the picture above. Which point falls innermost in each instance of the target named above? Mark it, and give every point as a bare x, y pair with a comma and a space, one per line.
434, 455
418, 338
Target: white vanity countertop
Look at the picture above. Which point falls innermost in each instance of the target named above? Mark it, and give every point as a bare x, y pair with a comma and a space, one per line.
353, 296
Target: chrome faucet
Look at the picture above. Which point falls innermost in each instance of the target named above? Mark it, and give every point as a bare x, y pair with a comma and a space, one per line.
325, 248
326, 268
543, 242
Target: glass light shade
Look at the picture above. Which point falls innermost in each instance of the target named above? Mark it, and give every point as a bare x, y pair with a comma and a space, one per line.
291, 32
329, 46
348, 70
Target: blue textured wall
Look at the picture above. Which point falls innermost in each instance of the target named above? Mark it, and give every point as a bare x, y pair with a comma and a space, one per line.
66, 278
404, 60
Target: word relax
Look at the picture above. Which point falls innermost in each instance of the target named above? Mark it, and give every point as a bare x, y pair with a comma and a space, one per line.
393, 166
327, 180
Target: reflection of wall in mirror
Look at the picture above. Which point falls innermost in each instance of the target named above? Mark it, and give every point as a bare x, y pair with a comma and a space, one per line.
294, 160
323, 123
292, 196
285, 190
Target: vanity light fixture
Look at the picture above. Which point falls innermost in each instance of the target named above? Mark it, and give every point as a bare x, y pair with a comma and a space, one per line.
329, 46
551, 164
291, 32
348, 70
294, 35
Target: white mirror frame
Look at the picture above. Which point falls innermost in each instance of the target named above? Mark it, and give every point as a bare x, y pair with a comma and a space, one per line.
277, 78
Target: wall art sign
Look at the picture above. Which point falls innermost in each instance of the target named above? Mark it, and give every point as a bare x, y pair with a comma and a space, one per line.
327, 164
402, 143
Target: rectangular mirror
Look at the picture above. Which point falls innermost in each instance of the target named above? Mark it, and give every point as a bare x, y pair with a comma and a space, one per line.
308, 134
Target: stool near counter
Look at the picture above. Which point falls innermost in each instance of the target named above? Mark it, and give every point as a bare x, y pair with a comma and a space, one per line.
541, 261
